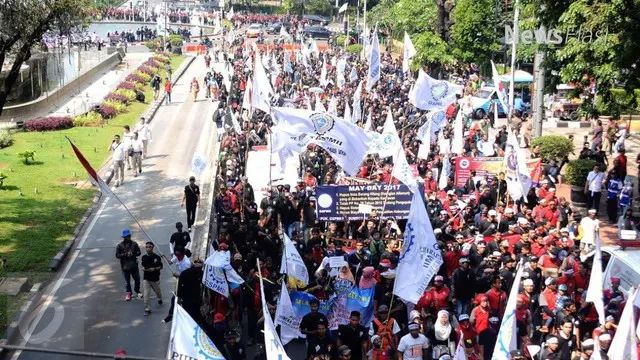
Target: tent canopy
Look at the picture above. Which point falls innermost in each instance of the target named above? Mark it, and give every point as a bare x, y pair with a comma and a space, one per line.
521, 77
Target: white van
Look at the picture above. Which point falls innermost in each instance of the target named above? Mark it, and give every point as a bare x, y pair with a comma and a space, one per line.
622, 264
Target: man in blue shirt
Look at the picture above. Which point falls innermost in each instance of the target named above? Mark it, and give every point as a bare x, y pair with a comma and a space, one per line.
614, 187
518, 104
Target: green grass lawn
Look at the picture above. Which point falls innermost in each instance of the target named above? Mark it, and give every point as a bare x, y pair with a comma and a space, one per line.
42, 203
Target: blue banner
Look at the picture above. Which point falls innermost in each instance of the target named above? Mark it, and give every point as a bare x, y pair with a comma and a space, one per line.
335, 203
347, 298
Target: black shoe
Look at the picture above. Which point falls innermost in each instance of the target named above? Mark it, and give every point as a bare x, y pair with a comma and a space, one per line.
167, 319
147, 312
140, 171
159, 302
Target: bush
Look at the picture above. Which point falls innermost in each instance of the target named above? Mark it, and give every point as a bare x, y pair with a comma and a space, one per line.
175, 40
620, 102
144, 76
162, 57
147, 70
553, 147
49, 123
129, 94
578, 170
6, 139
354, 49
135, 78
91, 118
107, 111
152, 45
152, 64
127, 86
116, 105
117, 97
26, 155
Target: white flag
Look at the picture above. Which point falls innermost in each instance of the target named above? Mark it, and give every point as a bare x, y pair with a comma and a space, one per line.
500, 91
261, 90
343, 8
443, 143
287, 63
218, 273
507, 339
420, 258
323, 73
246, 98
446, 172
231, 36
457, 145
189, 341
332, 108
460, 353
230, 14
429, 93
594, 291
424, 135
340, 69
403, 172
286, 318
624, 342
284, 33
355, 104
292, 264
388, 143
272, 343
374, 62
368, 126
353, 75
347, 112
319, 106
345, 142
516, 170
408, 53
314, 47
234, 121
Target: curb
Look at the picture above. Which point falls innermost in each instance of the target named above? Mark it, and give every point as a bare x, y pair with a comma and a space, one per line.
13, 330
58, 259
154, 106
566, 124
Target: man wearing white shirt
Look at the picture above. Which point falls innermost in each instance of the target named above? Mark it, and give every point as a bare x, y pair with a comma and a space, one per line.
589, 227
127, 136
413, 346
182, 263
118, 150
593, 188
137, 146
144, 131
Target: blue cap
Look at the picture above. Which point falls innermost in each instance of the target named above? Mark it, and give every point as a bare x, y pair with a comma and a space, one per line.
126, 233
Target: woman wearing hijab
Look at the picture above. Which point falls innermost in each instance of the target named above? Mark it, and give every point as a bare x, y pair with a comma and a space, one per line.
367, 281
442, 336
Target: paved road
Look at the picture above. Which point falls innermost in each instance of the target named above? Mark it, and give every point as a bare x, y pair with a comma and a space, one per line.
84, 309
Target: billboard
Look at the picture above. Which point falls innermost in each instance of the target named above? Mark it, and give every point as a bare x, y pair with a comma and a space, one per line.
489, 166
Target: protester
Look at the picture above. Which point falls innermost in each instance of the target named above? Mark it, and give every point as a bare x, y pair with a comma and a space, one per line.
127, 252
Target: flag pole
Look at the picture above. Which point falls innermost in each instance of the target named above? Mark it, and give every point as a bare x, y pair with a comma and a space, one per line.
514, 47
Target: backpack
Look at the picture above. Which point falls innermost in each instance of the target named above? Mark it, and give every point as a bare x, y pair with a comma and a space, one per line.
385, 331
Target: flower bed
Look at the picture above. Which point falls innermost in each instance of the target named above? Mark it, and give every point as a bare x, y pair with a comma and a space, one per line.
107, 111
135, 78
126, 86
91, 118
118, 97
48, 123
116, 105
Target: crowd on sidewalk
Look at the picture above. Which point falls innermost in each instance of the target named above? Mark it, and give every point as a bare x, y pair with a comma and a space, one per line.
484, 237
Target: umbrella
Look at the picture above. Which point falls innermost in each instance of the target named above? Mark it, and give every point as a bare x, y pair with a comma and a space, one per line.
316, 90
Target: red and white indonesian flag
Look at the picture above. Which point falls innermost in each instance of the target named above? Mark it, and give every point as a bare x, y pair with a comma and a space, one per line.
93, 175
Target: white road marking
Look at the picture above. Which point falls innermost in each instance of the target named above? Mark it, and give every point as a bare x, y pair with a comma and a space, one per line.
51, 295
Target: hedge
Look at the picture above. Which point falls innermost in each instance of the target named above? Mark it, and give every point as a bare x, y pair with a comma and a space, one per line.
553, 147
49, 123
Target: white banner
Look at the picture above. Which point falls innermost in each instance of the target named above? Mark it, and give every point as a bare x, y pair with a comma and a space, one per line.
429, 93
286, 318
374, 62
507, 338
273, 344
218, 273
408, 53
189, 340
292, 263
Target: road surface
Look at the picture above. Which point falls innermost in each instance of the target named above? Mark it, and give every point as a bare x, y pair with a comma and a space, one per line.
84, 308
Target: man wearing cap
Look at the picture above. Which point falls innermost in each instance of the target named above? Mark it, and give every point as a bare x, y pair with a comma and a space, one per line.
344, 353
507, 220
127, 252
489, 226
440, 294
551, 351
463, 287
354, 336
385, 327
192, 197
614, 291
587, 350
548, 299
232, 349
413, 345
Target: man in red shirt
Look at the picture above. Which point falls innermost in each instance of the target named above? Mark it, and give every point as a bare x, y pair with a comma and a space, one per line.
440, 294
551, 214
480, 315
430, 184
497, 297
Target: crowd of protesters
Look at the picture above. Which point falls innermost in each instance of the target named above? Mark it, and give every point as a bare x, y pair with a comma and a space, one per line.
482, 242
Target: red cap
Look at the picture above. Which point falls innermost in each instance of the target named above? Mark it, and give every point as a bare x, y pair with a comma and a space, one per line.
223, 246
385, 263
218, 318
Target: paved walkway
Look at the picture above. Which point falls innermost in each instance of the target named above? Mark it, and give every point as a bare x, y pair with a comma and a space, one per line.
84, 309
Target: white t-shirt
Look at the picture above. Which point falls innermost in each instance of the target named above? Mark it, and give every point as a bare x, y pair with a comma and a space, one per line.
143, 132
595, 181
181, 265
411, 347
136, 145
126, 139
589, 227
118, 151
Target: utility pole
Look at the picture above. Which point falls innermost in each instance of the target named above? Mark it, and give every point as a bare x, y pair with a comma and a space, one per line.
539, 78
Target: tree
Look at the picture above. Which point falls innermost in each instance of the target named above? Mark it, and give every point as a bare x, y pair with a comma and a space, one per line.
474, 35
22, 25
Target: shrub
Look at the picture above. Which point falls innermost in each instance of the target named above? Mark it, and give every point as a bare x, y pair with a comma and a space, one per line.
144, 76
49, 123
578, 170
175, 40
139, 86
26, 155
127, 85
6, 139
152, 45
162, 57
91, 118
117, 97
135, 78
553, 147
147, 70
116, 105
354, 49
619, 102
129, 94
152, 63
107, 111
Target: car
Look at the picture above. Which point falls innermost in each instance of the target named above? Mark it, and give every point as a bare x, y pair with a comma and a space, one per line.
316, 32
274, 28
482, 100
622, 264
316, 19
254, 31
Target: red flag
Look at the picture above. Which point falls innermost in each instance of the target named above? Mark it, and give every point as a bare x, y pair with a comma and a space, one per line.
92, 173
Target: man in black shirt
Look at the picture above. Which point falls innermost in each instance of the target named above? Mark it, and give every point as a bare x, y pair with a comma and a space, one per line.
232, 350
354, 335
151, 266
309, 322
180, 240
192, 198
320, 345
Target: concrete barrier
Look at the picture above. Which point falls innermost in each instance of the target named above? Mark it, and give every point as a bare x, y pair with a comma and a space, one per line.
43, 105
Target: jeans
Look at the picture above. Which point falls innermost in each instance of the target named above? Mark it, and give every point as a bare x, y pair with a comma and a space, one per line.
191, 215
290, 228
593, 200
136, 279
167, 97
463, 307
